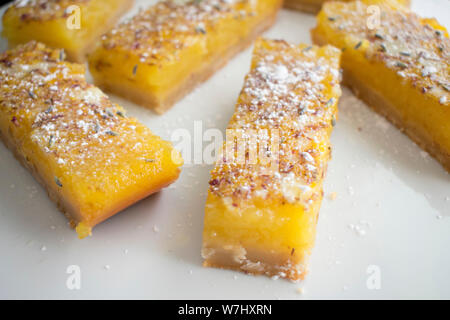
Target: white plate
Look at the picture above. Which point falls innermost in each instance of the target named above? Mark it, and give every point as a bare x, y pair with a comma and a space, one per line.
391, 216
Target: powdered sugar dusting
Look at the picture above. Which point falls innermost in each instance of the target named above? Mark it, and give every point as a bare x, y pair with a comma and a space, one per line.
160, 32
291, 91
417, 49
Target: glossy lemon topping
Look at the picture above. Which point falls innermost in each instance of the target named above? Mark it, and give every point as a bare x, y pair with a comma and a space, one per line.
81, 144
44, 10
417, 49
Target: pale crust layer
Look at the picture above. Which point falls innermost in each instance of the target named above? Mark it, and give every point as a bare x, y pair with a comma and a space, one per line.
257, 262
311, 7
388, 110
197, 77
303, 6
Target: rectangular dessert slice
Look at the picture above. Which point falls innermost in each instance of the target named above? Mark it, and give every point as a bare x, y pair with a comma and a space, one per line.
73, 25
93, 160
165, 51
400, 67
261, 211
313, 6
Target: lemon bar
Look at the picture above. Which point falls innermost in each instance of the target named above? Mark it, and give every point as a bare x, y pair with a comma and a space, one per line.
93, 160
261, 212
165, 51
400, 67
313, 6
74, 25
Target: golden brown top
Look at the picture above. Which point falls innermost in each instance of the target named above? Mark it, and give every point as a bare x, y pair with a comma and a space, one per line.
162, 30
43, 10
417, 49
290, 96
73, 123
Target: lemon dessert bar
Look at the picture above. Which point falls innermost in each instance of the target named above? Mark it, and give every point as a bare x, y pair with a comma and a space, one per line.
261, 216
400, 67
73, 25
313, 6
165, 51
93, 160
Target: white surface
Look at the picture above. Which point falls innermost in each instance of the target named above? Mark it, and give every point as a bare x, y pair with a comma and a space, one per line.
385, 185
